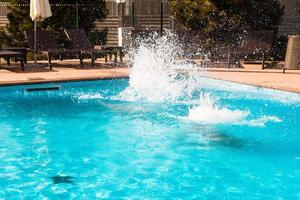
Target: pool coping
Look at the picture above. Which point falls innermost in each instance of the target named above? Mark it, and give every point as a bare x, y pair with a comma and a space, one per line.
46, 81
127, 77
103, 75
255, 85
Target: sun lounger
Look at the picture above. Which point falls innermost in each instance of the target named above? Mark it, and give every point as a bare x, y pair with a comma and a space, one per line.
22, 50
46, 44
113, 49
79, 40
9, 54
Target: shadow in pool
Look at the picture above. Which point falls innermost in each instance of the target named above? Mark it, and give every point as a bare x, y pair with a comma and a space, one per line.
226, 141
62, 179
216, 139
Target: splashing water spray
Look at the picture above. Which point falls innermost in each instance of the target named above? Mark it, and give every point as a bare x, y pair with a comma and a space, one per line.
159, 75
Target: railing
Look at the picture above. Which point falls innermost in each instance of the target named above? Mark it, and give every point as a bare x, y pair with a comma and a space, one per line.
74, 8
3, 9
137, 14
111, 7
146, 13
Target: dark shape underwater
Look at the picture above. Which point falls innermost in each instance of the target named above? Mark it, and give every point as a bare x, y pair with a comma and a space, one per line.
62, 179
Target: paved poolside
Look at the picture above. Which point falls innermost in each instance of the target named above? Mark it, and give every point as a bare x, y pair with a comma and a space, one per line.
272, 79
253, 75
13, 75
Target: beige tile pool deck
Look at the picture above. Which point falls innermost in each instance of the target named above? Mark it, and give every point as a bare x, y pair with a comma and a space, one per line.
274, 79
60, 74
67, 72
252, 75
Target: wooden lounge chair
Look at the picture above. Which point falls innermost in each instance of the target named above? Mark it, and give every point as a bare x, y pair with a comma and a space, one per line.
115, 49
12, 54
79, 40
47, 45
22, 50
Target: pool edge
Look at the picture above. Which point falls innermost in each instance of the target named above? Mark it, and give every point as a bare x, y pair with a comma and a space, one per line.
77, 79
255, 85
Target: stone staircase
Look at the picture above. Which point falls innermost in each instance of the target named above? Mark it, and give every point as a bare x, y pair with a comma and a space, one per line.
111, 24
3, 13
3, 21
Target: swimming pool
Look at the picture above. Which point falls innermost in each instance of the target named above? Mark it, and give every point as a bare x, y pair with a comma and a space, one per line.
83, 141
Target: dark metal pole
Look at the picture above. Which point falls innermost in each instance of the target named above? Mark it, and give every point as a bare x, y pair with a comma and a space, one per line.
35, 41
76, 13
132, 14
172, 24
161, 17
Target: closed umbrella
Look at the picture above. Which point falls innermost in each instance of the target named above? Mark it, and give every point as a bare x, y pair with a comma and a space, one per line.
39, 10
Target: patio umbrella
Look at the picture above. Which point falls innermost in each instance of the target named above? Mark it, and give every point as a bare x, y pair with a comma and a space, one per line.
39, 10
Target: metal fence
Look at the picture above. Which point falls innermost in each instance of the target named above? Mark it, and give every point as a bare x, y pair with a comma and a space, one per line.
146, 14
138, 13
75, 10
3, 9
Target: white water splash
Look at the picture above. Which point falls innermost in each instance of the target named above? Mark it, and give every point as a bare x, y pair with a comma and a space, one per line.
89, 96
154, 76
261, 121
208, 113
158, 75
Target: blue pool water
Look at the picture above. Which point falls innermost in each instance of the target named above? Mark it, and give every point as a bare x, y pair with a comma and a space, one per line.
83, 142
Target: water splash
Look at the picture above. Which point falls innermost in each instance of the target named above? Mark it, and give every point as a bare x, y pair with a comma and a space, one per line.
156, 74
89, 96
209, 113
159, 75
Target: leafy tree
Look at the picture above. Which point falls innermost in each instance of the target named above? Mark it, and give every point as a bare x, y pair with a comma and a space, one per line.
224, 20
192, 15
19, 21
62, 17
65, 17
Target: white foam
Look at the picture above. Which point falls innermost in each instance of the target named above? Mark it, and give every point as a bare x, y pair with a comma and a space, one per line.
261, 121
215, 115
90, 96
208, 112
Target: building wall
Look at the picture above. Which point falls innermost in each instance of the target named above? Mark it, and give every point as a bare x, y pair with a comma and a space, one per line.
3, 13
290, 24
146, 16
